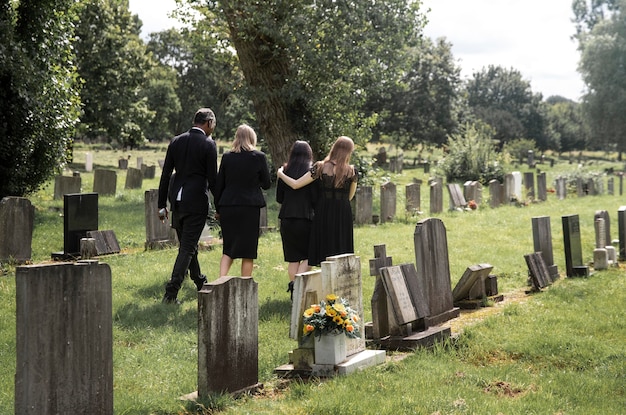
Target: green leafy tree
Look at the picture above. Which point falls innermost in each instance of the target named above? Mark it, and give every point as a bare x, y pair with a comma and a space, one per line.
566, 121
504, 100
601, 35
112, 63
309, 65
159, 92
38, 99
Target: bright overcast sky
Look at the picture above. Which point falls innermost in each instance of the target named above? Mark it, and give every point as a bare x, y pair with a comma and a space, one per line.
531, 36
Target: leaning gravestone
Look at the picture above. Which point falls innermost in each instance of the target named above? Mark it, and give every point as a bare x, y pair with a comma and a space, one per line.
433, 270
158, 234
472, 286
64, 341
542, 242
538, 271
228, 343
104, 182
457, 200
363, 205
66, 184
387, 202
573, 247
17, 218
80, 215
134, 178
105, 242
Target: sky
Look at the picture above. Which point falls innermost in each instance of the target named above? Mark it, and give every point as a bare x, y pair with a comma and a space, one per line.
530, 36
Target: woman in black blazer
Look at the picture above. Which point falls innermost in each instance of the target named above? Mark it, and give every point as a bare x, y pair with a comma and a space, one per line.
243, 173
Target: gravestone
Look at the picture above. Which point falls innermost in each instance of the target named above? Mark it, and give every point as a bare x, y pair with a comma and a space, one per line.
433, 270
80, 215
228, 330
573, 248
473, 190
537, 271
17, 219
457, 200
363, 205
495, 193
611, 186
396, 163
606, 233
561, 188
413, 197
387, 202
436, 196
398, 293
105, 241
380, 260
591, 188
542, 188
542, 242
581, 190
381, 157
621, 230
531, 158
134, 178
621, 184
64, 341
472, 286
158, 234
263, 225
529, 185
105, 182
148, 172
122, 164
139, 163
88, 162
517, 185
66, 184
600, 254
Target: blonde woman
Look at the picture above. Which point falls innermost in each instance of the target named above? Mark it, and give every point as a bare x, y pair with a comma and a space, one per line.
242, 174
335, 180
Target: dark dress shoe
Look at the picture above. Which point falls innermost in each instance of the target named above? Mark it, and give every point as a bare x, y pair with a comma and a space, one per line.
170, 300
200, 283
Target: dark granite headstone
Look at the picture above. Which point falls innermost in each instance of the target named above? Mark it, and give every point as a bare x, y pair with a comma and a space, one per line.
542, 242
538, 271
573, 247
80, 215
621, 225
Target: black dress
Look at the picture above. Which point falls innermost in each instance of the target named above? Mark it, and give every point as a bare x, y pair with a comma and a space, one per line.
296, 214
331, 233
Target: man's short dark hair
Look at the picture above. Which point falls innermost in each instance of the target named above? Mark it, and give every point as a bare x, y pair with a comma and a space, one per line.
203, 115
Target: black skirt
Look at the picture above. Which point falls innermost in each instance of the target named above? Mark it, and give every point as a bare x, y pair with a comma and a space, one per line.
240, 231
295, 234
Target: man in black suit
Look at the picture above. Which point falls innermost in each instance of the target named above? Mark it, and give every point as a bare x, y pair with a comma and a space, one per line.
194, 157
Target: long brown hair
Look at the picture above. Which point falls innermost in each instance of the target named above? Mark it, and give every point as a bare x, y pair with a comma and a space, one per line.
339, 157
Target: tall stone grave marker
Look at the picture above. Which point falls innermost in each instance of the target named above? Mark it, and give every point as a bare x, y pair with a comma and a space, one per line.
495, 193
573, 247
66, 184
542, 188
542, 242
387, 202
621, 225
228, 331
600, 255
509, 188
529, 185
134, 178
158, 234
17, 218
413, 197
471, 286
473, 190
64, 342
457, 200
561, 188
436, 196
80, 215
363, 205
105, 182
88, 162
606, 233
433, 270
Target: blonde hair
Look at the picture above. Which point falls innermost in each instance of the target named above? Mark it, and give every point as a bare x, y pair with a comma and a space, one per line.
339, 156
245, 139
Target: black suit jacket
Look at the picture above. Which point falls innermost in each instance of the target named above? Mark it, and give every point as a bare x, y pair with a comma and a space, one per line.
241, 178
193, 155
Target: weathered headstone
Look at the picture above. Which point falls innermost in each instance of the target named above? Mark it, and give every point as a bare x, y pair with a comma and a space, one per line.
473, 190
148, 172
122, 164
134, 178
66, 184
381, 157
80, 215
600, 255
105, 241
436, 196
621, 230
17, 218
158, 234
542, 188
457, 200
413, 197
529, 184
495, 193
531, 158
88, 162
88, 248
433, 270
363, 205
561, 188
64, 342
471, 286
105, 182
139, 163
573, 247
606, 234
542, 242
380, 260
537, 270
228, 343
581, 189
387, 202
398, 293
517, 185
396, 163
611, 186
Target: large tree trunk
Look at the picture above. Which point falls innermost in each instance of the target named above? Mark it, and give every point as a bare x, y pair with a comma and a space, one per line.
265, 65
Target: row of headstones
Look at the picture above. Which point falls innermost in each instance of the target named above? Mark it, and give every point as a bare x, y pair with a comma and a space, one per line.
104, 181
122, 163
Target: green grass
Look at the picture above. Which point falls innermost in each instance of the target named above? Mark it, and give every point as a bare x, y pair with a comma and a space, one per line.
559, 352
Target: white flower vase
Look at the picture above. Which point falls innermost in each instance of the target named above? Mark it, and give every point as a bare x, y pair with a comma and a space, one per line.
330, 349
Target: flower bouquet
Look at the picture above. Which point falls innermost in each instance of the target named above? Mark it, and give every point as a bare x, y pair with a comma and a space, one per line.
331, 316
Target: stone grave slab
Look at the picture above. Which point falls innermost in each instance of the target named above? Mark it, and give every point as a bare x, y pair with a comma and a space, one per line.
472, 286
158, 234
538, 271
105, 182
542, 242
80, 215
387, 202
457, 200
573, 247
363, 205
66, 184
134, 178
105, 241
398, 294
17, 218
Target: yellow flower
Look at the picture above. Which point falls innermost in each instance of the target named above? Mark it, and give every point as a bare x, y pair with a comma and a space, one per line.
338, 320
330, 312
339, 307
308, 312
331, 297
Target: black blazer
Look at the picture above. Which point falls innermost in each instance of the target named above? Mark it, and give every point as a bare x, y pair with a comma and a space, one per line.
194, 157
241, 178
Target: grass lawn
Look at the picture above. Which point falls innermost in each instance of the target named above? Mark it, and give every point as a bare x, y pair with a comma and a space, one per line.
561, 351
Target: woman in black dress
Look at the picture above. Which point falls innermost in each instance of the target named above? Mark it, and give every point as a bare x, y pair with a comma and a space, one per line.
334, 181
242, 174
296, 212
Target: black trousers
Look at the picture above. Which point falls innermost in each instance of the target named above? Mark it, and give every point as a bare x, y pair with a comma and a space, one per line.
188, 228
